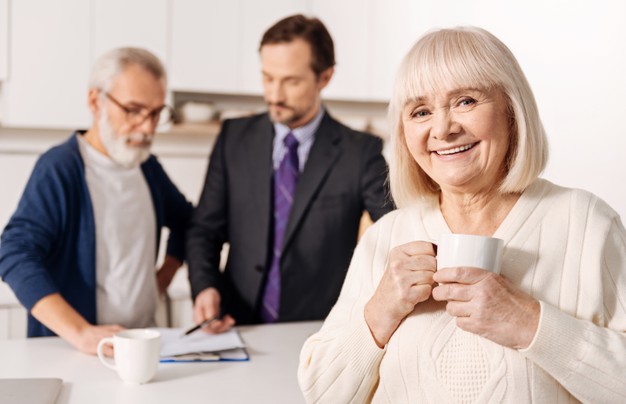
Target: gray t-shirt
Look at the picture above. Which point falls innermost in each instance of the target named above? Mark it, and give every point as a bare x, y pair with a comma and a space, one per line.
125, 241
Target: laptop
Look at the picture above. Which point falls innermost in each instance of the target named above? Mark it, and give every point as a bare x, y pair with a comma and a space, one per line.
32, 391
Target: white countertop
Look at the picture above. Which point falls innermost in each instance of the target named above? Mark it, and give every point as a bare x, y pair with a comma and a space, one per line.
269, 376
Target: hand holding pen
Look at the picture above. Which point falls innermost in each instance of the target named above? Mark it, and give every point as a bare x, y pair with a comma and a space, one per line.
201, 325
206, 313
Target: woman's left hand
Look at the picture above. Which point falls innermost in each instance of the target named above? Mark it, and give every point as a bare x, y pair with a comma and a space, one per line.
488, 305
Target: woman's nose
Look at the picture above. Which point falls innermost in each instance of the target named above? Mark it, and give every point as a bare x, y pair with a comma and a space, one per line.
444, 125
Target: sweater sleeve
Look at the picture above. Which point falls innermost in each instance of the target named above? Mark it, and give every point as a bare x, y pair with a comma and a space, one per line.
589, 357
341, 362
30, 236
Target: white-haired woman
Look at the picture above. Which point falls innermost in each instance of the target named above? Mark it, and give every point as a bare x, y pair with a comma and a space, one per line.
468, 147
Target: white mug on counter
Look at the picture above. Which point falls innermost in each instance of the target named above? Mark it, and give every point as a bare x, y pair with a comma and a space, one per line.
469, 250
135, 354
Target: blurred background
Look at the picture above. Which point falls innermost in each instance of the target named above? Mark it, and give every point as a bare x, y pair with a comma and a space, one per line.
572, 52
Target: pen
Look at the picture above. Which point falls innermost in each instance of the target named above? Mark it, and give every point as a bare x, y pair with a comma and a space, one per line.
202, 324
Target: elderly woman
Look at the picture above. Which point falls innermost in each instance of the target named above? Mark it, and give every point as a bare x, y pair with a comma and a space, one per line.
468, 148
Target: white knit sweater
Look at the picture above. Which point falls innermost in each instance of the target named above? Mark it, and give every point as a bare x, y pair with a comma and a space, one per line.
565, 247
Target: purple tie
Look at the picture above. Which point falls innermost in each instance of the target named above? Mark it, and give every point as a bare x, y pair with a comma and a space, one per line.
285, 179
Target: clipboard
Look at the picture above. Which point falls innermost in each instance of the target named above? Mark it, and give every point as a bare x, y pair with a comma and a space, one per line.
201, 347
229, 355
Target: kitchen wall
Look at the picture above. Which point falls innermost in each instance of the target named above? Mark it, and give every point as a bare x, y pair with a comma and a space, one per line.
572, 51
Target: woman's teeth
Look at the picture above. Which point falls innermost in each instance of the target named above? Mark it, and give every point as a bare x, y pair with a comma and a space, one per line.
455, 150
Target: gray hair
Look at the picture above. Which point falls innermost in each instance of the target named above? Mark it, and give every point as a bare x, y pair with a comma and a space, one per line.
465, 57
113, 62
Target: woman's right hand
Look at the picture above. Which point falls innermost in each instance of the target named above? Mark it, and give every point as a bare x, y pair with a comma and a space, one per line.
407, 281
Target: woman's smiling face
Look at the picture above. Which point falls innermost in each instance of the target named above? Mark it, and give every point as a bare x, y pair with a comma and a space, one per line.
459, 137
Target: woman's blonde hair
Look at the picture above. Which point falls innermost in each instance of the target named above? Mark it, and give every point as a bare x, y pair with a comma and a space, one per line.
465, 57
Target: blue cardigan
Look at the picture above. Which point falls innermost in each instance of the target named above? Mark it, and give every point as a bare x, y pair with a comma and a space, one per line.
48, 246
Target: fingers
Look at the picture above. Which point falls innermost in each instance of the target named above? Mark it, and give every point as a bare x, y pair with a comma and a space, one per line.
399, 265
107, 350
464, 275
419, 293
408, 278
207, 305
219, 326
452, 292
407, 281
417, 248
198, 313
91, 335
403, 265
492, 307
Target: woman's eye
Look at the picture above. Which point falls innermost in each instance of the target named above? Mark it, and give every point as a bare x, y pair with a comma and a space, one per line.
467, 102
420, 113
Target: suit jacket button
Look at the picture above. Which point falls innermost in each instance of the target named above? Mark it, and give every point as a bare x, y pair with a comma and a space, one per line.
259, 268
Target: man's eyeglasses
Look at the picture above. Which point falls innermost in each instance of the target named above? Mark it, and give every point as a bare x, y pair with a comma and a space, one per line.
136, 116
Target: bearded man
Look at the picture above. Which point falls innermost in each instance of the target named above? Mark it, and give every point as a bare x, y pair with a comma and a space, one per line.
80, 250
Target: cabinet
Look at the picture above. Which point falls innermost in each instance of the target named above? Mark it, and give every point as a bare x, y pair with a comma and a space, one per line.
49, 64
371, 38
52, 46
48, 48
4, 38
347, 21
141, 23
215, 46
390, 39
205, 46
217, 51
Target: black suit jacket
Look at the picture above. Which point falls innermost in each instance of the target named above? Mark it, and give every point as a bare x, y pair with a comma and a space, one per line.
344, 175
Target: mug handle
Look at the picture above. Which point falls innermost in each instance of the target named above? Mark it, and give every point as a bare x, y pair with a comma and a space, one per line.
105, 361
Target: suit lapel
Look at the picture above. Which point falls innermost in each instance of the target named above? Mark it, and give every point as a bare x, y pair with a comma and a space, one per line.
259, 156
325, 151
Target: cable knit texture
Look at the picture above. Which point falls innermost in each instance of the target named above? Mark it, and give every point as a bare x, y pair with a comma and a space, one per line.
565, 247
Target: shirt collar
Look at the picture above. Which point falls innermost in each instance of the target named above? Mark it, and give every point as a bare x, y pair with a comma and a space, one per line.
303, 133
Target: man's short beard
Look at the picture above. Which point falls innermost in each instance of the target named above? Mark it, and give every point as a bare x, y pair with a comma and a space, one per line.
295, 116
118, 147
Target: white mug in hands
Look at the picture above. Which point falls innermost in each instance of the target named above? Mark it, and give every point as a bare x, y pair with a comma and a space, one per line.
468, 250
136, 354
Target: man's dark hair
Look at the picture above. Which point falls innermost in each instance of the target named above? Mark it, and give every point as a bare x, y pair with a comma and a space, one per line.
312, 31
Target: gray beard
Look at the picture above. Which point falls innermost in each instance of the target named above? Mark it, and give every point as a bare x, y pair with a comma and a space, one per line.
117, 146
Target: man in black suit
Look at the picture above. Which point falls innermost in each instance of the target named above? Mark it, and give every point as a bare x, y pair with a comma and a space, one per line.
336, 174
